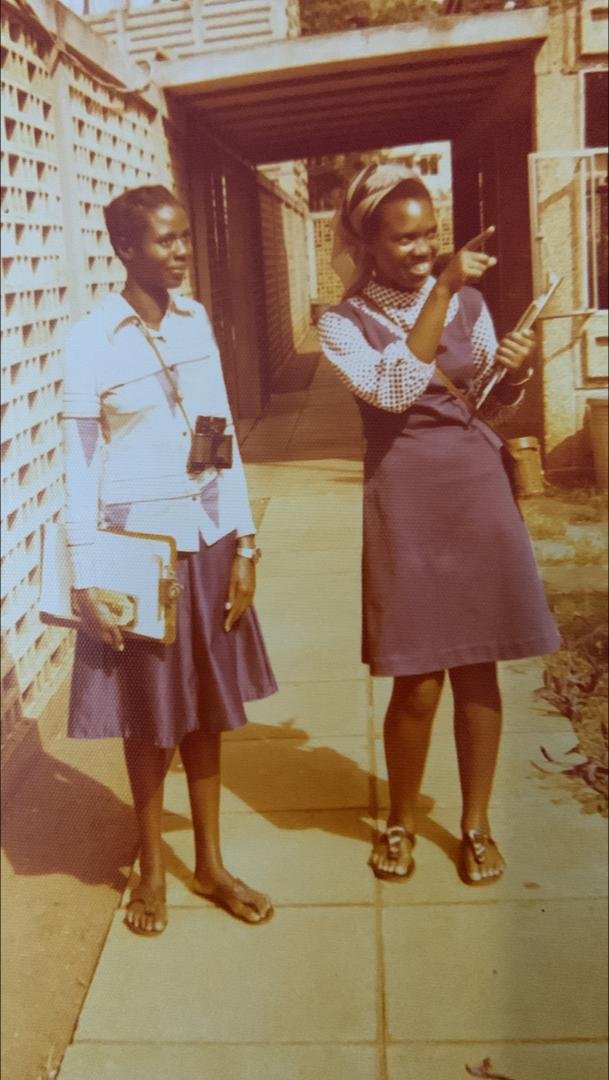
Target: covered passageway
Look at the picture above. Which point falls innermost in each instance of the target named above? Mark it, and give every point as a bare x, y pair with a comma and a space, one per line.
467, 79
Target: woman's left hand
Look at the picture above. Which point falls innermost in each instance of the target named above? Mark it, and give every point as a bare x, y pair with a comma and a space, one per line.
241, 589
516, 349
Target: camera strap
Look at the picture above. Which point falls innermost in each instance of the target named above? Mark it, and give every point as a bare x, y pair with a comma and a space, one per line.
168, 375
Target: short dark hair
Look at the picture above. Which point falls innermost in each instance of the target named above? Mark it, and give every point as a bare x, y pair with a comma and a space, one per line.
410, 188
125, 216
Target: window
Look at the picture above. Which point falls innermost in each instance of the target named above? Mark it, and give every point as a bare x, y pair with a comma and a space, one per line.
568, 194
596, 121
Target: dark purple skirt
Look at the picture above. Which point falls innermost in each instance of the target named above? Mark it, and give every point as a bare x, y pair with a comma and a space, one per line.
449, 574
160, 693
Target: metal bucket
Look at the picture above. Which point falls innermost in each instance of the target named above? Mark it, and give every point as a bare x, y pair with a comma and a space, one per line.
527, 470
598, 412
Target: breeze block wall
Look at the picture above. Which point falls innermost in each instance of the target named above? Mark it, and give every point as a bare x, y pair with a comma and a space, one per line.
71, 141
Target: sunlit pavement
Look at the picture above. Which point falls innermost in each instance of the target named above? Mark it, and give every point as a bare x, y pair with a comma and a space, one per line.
354, 979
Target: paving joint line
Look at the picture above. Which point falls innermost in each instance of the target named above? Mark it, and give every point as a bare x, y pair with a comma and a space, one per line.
381, 1001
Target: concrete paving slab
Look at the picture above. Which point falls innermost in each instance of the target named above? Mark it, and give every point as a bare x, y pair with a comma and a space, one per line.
323, 425
264, 450
201, 1061
327, 387
304, 564
274, 425
318, 709
224, 981
535, 870
347, 449
289, 403
310, 857
312, 633
327, 412
259, 480
550, 1061
311, 523
315, 476
286, 774
496, 971
516, 779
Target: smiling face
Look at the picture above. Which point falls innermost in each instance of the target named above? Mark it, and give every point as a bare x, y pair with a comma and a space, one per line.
158, 259
404, 243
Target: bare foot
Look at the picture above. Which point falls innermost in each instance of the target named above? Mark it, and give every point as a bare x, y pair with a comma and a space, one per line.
234, 896
391, 858
481, 861
146, 912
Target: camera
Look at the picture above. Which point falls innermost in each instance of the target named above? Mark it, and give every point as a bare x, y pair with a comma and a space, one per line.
211, 446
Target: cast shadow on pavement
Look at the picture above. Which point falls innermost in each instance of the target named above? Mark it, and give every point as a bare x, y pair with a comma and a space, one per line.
290, 783
59, 820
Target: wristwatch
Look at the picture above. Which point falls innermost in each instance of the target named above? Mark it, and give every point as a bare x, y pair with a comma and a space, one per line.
254, 554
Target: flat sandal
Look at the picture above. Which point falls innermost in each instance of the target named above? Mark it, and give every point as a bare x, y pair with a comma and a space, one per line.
478, 843
392, 838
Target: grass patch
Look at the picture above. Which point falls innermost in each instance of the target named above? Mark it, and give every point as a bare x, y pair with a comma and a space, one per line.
587, 504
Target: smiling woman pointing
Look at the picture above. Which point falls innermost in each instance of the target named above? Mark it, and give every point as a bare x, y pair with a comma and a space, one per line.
449, 576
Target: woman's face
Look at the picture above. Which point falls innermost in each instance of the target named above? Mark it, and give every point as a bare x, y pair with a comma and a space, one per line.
159, 257
406, 243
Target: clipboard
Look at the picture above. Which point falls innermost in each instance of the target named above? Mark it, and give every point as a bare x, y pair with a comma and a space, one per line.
136, 571
525, 322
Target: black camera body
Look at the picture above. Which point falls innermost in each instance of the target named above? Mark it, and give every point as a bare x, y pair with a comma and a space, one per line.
211, 446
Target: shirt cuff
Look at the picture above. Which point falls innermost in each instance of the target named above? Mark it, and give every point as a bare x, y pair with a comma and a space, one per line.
246, 529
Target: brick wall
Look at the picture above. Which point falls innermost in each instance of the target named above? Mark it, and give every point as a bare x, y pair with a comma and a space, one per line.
70, 144
286, 274
329, 286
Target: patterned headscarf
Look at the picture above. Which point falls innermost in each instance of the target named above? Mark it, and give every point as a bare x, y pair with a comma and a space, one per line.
365, 192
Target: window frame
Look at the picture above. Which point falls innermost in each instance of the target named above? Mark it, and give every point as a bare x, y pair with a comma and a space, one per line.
589, 284
582, 100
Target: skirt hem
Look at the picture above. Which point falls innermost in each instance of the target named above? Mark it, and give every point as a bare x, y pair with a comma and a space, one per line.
399, 666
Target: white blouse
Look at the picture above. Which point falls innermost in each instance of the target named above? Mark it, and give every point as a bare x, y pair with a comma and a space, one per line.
126, 441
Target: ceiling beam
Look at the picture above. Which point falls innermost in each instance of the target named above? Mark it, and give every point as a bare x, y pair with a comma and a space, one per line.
276, 61
342, 140
328, 102
495, 64
348, 116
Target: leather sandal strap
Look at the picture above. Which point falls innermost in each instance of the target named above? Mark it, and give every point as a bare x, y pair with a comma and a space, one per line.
479, 843
394, 836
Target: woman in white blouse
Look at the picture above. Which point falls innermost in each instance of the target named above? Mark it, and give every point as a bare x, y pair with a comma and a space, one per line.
449, 577
127, 442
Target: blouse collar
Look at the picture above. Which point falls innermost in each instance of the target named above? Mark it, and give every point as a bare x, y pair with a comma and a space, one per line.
389, 297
